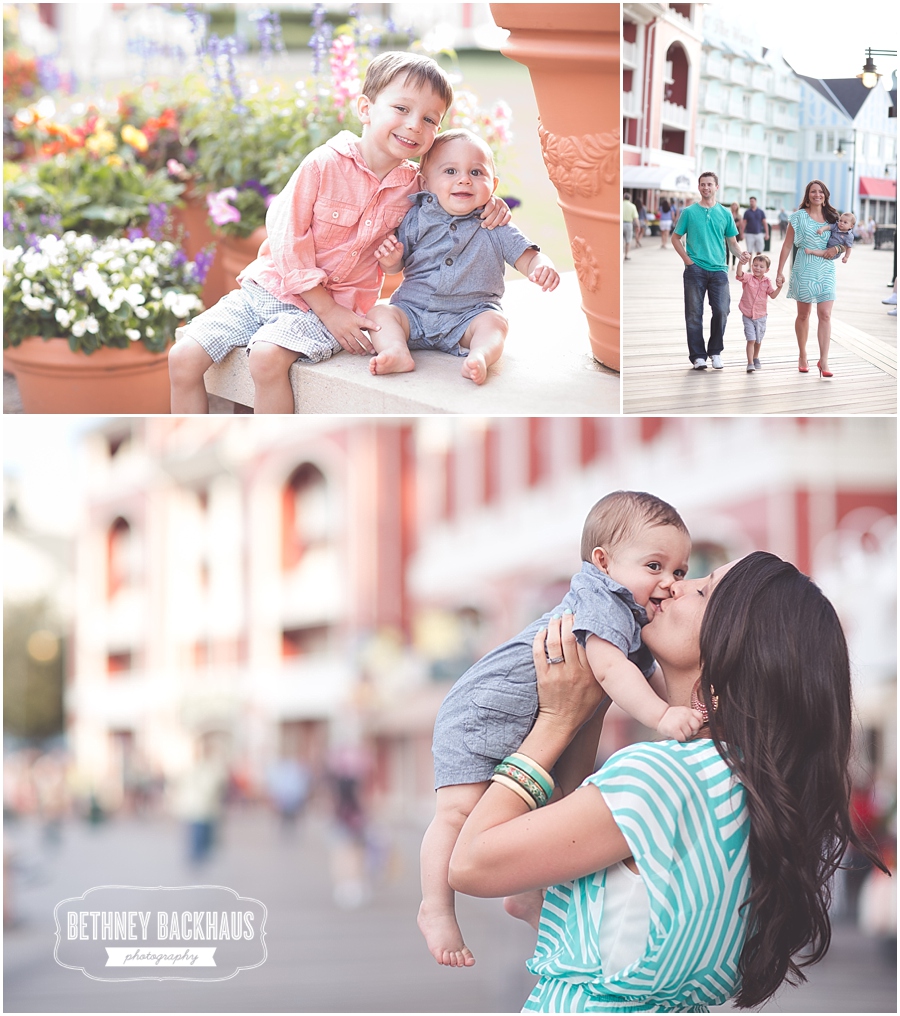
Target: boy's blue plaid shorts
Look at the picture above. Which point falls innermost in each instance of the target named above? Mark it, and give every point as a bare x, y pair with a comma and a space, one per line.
251, 314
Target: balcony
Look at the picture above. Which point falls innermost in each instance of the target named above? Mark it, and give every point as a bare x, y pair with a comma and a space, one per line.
786, 121
629, 54
676, 116
714, 101
714, 66
631, 105
787, 88
782, 150
740, 74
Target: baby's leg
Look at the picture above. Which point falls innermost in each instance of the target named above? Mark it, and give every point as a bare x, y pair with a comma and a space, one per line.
526, 906
437, 914
484, 339
393, 356
188, 362
269, 367
818, 253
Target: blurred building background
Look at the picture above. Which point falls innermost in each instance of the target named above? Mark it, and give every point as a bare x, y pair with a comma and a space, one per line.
705, 87
307, 590
226, 640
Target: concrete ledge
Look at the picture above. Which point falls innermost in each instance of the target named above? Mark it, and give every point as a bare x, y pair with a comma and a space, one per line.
546, 369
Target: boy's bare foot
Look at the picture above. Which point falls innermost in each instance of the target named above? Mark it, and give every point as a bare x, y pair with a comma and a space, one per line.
396, 360
443, 938
526, 907
475, 368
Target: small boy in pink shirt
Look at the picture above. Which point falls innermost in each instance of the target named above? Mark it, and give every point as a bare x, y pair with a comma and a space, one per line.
758, 290
309, 291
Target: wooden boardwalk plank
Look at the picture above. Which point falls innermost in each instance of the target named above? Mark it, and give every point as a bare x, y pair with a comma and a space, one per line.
657, 378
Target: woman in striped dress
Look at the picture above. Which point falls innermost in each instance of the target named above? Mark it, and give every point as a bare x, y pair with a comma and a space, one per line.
812, 278
683, 875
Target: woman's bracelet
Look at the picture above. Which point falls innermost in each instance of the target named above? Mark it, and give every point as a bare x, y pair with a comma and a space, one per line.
529, 780
506, 781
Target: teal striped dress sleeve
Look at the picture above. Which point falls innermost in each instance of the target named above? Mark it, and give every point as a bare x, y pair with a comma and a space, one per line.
685, 819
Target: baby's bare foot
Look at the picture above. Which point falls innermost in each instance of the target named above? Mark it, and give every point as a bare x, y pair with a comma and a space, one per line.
395, 360
475, 368
443, 938
526, 907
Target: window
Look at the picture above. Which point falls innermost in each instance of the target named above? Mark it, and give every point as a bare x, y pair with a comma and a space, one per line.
118, 557
305, 516
819, 142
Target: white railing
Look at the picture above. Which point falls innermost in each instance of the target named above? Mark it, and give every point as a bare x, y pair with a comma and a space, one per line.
631, 105
677, 116
629, 53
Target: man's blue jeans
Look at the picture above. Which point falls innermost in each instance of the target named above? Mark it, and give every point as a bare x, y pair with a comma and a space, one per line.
698, 283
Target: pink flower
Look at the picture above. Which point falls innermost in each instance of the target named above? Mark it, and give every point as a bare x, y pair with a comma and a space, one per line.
219, 210
344, 64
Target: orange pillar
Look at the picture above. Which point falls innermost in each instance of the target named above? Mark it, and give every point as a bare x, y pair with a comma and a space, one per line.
572, 52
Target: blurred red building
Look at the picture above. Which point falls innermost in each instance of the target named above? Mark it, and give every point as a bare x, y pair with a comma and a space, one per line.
304, 586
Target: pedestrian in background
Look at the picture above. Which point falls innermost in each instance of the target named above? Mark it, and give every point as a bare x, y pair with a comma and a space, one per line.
666, 221
754, 228
629, 218
640, 226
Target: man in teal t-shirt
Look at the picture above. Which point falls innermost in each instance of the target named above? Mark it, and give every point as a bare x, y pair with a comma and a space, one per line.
709, 227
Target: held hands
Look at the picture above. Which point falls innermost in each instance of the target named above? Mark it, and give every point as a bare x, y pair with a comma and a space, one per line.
745, 256
496, 213
389, 254
680, 723
349, 329
568, 692
779, 279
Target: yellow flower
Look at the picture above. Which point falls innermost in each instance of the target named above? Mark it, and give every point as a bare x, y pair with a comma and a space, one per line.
115, 160
137, 139
101, 143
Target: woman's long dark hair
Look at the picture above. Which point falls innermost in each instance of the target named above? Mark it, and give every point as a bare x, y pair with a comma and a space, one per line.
829, 213
774, 655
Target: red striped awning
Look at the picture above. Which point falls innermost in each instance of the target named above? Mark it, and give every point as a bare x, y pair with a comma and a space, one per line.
874, 187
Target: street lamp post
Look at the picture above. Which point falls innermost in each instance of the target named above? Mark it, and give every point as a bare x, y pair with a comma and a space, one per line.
840, 151
870, 74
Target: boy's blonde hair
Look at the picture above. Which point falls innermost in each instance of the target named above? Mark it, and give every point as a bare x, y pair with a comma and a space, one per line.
850, 215
419, 71
619, 517
762, 257
456, 134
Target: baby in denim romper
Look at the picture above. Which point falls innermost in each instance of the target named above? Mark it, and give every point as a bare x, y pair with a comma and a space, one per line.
840, 236
452, 271
634, 548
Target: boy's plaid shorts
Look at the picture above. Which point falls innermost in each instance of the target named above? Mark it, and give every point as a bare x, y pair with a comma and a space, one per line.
251, 314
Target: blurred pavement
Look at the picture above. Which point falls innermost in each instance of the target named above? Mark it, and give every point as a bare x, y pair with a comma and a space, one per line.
320, 958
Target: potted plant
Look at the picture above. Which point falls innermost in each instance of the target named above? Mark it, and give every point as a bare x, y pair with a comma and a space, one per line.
87, 322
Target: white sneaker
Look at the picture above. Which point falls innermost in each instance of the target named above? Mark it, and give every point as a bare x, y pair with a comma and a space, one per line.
756, 363
750, 368
699, 364
717, 362
891, 299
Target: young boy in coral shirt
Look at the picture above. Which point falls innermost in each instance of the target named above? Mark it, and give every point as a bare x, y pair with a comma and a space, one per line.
308, 293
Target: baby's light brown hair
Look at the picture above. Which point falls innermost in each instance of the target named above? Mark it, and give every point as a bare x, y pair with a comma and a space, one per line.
850, 216
419, 71
619, 517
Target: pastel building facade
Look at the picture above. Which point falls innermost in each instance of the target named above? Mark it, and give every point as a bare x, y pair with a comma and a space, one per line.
850, 144
661, 52
300, 588
748, 115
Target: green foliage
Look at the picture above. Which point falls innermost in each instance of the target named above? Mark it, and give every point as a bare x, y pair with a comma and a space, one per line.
98, 293
32, 688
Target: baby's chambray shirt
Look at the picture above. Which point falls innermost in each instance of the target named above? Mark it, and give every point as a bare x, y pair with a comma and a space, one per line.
449, 262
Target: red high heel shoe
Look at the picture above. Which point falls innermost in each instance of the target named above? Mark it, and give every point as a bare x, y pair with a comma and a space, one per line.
803, 370
823, 373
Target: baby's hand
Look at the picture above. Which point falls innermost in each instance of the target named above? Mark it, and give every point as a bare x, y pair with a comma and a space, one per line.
823, 229
680, 722
844, 258
545, 276
391, 250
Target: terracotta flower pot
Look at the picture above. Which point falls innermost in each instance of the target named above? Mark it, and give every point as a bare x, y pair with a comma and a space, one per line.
234, 254
53, 379
572, 54
192, 219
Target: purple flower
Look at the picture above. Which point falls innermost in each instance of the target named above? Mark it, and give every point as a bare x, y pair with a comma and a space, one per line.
512, 203
320, 43
134, 234
158, 214
255, 185
203, 262
8, 221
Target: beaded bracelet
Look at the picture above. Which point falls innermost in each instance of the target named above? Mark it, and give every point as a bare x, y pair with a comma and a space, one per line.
505, 781
535, 771
527, 782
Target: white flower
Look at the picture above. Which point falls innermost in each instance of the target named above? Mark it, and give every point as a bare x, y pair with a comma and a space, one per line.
150, 332
142, 312
32, 302
156, 292
134, 295
63, 317
92, 324
26, 286
133, 334
79, 328
180, 304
